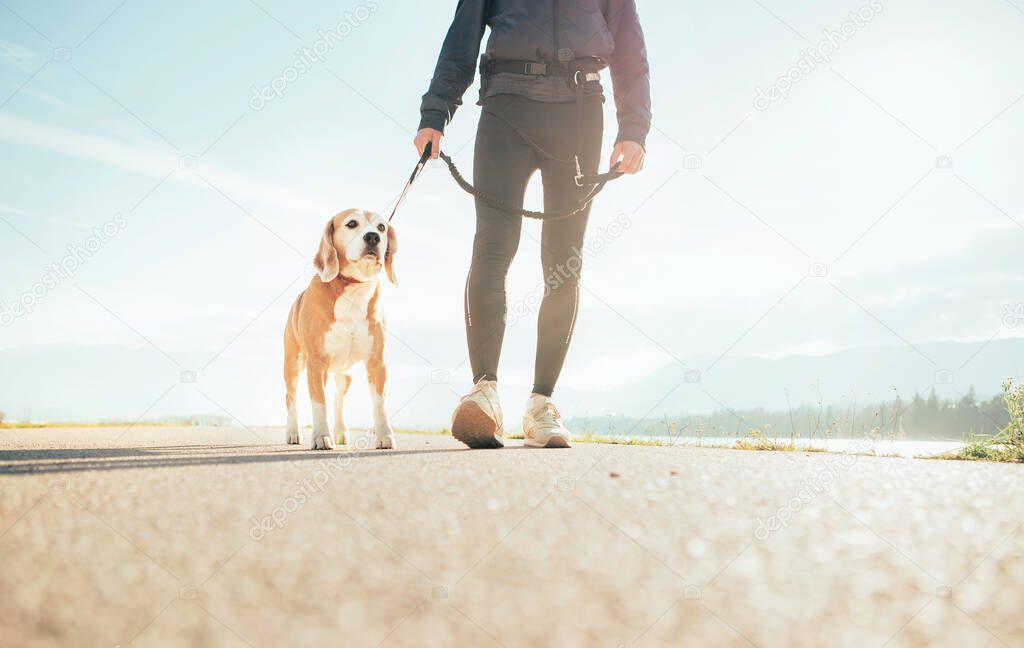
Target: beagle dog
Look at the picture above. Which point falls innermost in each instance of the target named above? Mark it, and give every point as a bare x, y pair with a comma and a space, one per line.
337, 322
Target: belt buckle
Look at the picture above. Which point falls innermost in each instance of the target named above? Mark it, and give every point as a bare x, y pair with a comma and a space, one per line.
536, 68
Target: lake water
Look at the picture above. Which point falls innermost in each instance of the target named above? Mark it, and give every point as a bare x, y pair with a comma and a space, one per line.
862, 446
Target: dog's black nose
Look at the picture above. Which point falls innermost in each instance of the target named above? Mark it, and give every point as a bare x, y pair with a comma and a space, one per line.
371, 238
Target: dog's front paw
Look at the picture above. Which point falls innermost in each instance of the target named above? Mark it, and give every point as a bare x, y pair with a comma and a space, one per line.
291, 437
386, 441
321, 442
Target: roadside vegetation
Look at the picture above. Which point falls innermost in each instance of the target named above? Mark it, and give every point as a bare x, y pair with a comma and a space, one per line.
1003, 415
200, 420
1008, 444
920, 418
757, 440
33, 425
628, 441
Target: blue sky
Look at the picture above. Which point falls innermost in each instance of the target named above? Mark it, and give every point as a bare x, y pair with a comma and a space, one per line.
822, 222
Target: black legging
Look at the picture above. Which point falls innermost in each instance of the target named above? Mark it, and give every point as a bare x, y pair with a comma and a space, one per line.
502, 167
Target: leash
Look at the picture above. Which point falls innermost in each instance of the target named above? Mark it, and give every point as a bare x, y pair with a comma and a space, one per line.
595, 182
576, 78
412, 178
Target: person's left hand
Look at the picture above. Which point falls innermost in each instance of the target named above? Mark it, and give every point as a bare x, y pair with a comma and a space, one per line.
630, 154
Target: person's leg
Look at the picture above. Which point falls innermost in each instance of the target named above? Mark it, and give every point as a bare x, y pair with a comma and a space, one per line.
562, 261
502, 167
562, 241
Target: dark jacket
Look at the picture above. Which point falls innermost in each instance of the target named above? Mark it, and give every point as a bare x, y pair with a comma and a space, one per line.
536, 30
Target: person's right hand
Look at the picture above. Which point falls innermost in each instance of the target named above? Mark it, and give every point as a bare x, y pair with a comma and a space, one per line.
428, 136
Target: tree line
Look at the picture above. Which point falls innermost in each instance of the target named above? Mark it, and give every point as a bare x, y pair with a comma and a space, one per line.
919, 418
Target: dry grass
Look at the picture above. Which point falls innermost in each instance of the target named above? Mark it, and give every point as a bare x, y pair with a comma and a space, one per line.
755, 440
1008, 445
634, 441
758, 441
48, 424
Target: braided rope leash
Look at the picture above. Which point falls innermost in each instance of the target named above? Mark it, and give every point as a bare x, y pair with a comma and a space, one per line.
595, 182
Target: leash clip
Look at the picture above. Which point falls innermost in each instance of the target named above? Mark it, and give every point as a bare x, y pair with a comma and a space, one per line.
579, 172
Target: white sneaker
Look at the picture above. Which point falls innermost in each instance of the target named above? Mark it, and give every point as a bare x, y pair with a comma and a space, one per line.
477, 420
542, 425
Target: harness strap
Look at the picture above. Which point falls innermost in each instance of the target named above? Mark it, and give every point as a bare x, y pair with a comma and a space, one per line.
578, 70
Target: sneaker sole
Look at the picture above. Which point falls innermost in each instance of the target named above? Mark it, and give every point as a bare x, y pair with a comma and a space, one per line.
554, 441
475, 428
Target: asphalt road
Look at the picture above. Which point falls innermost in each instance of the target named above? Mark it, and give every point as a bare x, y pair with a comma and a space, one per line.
156, 537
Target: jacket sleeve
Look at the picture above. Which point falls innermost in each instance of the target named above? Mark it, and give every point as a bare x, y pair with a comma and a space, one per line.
631, 75
456, 65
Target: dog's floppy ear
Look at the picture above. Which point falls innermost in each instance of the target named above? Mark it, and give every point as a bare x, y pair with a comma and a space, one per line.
389, 258
326, 259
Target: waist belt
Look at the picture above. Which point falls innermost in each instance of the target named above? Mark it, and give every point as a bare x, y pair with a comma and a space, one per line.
576, 72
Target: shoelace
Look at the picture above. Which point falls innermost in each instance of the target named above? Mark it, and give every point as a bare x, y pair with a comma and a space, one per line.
547, 410
479, 387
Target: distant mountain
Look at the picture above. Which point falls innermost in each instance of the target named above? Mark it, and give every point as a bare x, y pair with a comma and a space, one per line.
864, 375
107, 383
103, 383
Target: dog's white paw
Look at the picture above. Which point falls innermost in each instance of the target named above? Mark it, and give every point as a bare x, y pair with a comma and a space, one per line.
322, 442
341, 436
291, 437
386, 441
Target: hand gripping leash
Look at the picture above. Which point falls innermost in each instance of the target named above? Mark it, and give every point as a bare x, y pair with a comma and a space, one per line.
595, 182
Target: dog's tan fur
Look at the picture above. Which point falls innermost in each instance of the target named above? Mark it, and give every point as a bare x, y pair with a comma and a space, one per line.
337, 321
